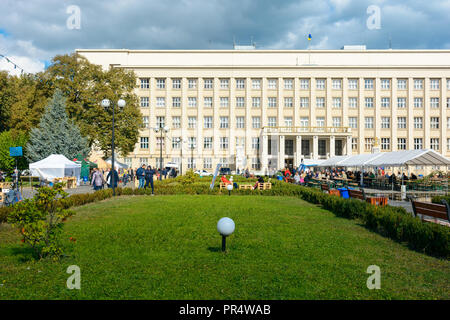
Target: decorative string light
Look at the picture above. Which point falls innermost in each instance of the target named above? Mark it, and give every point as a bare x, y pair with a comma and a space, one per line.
11, 62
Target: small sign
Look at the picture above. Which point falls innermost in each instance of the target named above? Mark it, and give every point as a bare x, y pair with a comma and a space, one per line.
15, 152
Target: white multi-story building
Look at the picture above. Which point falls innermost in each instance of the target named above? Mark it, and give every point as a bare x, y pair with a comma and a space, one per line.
267, 109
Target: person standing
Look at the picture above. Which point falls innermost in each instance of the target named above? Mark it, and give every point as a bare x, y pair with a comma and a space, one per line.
149, 178
97, 180
140, 175
109, 178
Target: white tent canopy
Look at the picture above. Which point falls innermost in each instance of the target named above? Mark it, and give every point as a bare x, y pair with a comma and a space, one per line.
389, 159
55, 166
117, 164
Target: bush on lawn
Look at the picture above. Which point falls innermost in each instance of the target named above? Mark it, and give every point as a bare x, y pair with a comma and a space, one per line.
438, 199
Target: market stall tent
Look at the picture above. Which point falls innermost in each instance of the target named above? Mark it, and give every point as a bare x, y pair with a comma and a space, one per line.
55, 166
117, 164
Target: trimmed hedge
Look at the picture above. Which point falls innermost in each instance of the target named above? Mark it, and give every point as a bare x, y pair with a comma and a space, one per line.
438, 199
393, 222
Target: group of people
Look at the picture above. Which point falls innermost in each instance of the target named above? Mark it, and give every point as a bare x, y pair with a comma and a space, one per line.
235, 185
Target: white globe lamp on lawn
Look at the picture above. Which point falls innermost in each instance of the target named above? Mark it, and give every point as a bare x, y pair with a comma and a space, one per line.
229, 188
225, 226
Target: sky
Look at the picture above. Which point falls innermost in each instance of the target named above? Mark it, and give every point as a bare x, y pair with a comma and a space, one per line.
32, 32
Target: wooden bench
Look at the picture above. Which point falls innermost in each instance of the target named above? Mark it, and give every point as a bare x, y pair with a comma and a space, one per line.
357, 194
437, 211
325, 187
265, 186
245, 187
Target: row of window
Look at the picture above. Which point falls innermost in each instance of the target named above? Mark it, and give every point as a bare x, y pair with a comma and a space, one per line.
401, 143
192, 162
288, 122
272, 83
192, 142
288, 102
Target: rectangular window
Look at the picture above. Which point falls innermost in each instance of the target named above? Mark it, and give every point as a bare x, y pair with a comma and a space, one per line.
385, 122
368, 84
418, 123
144, 142
272, 121
256, 163
192, 143
434, 123
448, 103
272, 102
272, 84
353, 103
223, 142
418, 102
320, 84
401, 145
304, 102
255, 143
368, 144
337, 122
336, 84
368, 122
320, 122
160, 122
207, 163
224, 102
401, 121
240, 84
385, 84
288, 84
207, 143
434, 84
401, 84
385, 143
143, 161
353, 84
145, 102
256, 122
448, 84
208, 102
353, 122
192, 102
304, 84
256, 102
369, 102
304, 122
208, 83
145, 83
223, 122
256, 84
385, 102
191, 163
176, 142
401, 103
192, 122
240, 102
176, 122
448, 122
176, 102
145, 122
192, 83
207, 122
418, 84
418, 143
288, 121
434, 144
176, 83
160, 83
337, 103
320, 102
240, 122
160, 102
288, 102
354, 144
434, 102
224, 84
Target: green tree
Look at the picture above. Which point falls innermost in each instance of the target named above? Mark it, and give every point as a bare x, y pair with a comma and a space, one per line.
7, 140
56, 133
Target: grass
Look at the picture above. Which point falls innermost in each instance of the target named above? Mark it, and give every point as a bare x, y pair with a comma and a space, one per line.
167, 247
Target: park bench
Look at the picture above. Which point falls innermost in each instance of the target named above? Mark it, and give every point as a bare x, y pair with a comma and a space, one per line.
245, 187
437, 211
357, 194
265, 186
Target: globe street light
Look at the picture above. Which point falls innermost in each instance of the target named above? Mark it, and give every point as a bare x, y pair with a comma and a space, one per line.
229, 188
162, 130
225, 226
106, 103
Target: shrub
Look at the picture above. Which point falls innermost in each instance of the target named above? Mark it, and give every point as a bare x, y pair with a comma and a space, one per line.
438, 199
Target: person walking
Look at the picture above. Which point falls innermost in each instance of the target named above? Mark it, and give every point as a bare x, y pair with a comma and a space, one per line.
109, 178
125, 177
97, 180
140, 175
149, 178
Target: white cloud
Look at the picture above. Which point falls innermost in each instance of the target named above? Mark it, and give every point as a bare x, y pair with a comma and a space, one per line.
27, 64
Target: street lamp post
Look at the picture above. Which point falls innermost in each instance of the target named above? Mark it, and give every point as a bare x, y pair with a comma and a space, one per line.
106, 103
180, 141
162, 130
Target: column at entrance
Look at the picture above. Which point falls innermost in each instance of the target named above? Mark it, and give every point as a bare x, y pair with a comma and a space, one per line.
332, 146
298, 151
264, 155
281, 153
315, 150
349, 145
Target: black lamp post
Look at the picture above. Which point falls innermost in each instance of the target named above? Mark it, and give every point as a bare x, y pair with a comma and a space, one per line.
106, 103
179, 140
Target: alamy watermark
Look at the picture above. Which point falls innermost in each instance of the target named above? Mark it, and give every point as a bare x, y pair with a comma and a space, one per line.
74, 20
74, 281
374, 20
374, 281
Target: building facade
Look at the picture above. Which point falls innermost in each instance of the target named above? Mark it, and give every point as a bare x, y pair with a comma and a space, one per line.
269, 109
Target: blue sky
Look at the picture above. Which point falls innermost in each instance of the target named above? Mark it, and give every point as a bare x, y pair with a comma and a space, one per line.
32, 32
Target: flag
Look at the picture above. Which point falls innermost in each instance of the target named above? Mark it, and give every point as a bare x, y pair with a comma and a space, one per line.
309, 37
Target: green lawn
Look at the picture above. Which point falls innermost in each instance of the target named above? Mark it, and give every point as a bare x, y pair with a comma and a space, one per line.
167, 247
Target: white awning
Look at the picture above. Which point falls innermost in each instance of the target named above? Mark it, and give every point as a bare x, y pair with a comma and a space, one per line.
334, 161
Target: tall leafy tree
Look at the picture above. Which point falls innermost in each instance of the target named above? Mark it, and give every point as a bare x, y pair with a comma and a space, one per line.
9, 139
56, 133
